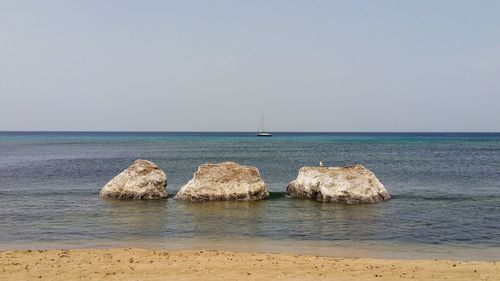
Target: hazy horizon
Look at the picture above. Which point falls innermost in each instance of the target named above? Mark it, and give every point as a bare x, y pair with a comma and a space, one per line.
199, 66
255, 131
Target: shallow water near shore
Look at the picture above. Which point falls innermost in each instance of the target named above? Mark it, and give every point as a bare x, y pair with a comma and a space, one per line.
445, 190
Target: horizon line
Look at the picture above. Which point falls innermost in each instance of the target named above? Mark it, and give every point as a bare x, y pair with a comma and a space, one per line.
277, 132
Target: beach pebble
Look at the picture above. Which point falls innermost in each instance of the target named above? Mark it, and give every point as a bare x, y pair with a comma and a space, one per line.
224, 181
142, 180
351, 185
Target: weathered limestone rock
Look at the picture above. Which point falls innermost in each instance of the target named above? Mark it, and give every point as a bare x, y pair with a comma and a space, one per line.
224, 181
351, 185
142, 180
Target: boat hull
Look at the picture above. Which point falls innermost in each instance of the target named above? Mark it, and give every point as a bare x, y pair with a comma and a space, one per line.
264, 135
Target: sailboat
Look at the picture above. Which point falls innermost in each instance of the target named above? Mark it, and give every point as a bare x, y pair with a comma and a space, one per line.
262, 132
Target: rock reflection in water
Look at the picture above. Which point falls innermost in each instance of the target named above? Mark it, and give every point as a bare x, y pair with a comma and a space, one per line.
225, 218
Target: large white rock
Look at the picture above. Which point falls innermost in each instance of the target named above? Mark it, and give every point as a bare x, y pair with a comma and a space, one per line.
224, 181
142, 180
351, 185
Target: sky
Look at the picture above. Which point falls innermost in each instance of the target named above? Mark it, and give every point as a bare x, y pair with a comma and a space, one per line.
329, 66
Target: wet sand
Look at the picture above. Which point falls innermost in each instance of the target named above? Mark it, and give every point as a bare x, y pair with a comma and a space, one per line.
146, 264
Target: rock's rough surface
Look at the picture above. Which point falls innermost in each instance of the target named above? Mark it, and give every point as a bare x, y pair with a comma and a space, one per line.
351, 185
142, 180
224, 181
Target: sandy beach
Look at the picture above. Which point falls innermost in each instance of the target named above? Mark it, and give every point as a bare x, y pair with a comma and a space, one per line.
142, 264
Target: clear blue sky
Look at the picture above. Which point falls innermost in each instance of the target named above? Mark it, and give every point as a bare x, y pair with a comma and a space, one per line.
218, 65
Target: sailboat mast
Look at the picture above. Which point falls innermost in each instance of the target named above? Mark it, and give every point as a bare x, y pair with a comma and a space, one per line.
262, 123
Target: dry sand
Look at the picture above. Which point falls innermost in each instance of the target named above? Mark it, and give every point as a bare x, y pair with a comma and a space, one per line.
140, 264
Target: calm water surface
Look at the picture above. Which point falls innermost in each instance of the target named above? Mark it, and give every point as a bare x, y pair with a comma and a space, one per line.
445, 187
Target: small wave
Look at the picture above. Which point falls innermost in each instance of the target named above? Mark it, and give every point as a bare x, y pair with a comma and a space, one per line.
45, 192
446, 197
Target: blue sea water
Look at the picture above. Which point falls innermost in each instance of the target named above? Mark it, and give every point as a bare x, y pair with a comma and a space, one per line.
445, 188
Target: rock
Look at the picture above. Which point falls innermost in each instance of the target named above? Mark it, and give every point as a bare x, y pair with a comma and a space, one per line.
351, 185
224, 181
142, 180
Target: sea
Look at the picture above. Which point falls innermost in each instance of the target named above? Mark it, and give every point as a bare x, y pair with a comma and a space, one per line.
445, 190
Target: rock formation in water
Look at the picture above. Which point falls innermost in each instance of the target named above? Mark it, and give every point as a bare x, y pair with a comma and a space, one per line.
351, 185
224, 181
142, 180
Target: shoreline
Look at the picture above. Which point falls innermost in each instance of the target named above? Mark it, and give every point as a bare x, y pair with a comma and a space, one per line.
148, 264
335, 249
